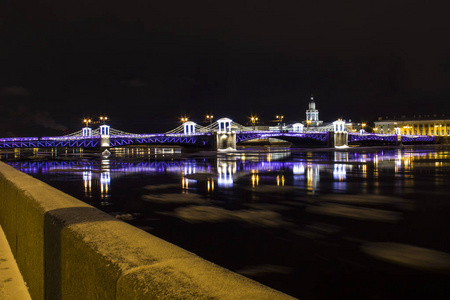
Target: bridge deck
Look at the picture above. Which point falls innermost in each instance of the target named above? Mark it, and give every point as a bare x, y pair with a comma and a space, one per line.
198, 139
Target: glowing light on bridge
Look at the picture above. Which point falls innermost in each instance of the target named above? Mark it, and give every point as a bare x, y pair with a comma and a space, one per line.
297, 127
253, 120
280, 121
339, 126
104, 130
189, 128
193, 134
103, 119
224, 125
87, 131
210, 118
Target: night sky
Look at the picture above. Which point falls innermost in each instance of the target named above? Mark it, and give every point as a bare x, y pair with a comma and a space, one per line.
147, 63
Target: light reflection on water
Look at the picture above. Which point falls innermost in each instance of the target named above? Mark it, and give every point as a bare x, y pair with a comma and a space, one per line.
330, 208
225, 169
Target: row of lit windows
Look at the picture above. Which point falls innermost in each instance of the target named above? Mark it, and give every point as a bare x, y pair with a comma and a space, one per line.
429, 128
419, 132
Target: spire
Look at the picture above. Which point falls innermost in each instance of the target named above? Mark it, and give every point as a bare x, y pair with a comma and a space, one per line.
312, 104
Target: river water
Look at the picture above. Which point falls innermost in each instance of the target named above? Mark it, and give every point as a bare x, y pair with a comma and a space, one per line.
360, 223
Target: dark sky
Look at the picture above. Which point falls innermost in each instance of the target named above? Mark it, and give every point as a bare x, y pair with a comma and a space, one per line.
146, 63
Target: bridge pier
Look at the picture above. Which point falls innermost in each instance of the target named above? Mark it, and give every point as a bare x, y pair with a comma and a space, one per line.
340, 134
225, 138
105, 142
399, 135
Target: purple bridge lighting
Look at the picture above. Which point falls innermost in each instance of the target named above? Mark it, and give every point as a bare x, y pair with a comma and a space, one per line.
192, 134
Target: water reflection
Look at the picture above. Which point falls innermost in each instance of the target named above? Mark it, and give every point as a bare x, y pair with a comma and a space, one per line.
87, 179
312, 176
316, 212
223, 170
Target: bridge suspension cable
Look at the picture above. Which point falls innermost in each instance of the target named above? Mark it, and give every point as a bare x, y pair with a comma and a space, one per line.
214, 127
77, 133
234, 126
97, 132
180, 129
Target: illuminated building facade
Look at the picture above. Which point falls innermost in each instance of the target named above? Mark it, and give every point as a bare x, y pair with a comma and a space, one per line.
434, 127
312, 114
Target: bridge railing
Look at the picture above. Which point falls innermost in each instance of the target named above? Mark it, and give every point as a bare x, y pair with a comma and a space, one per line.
151, 135
68, 138
19, 139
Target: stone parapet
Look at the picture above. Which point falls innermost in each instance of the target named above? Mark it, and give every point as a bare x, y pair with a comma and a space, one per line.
67, 249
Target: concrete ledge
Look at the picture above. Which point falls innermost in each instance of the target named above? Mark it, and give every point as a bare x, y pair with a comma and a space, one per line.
67, 249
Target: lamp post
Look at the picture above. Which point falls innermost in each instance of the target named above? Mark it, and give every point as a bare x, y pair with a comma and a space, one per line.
253, 120
87, 121
184, 119
210, 118
103, 119
280, 120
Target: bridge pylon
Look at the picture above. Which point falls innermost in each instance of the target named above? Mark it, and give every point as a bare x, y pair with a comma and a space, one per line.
340, 134
87, 131
189, 127
105, 136
225, 137
399, 134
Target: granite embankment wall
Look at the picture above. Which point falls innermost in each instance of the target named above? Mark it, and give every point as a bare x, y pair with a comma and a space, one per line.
66, 249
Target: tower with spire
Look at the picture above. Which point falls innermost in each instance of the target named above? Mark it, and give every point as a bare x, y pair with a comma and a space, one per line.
312, 114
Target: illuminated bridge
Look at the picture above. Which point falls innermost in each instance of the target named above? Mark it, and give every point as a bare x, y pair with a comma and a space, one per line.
222, 134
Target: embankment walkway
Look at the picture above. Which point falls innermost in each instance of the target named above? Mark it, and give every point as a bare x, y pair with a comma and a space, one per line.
12, 286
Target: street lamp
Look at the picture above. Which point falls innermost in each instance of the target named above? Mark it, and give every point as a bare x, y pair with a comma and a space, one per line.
253, 120
210, 118
280, 120
87, 121
103, 119
184, 119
